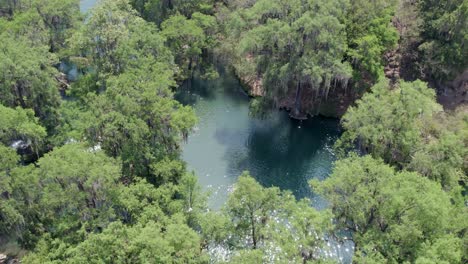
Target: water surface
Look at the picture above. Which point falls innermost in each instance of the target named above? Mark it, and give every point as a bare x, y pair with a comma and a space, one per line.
86, 5
277, 151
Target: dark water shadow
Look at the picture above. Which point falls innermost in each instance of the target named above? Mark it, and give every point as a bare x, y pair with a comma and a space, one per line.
281, 152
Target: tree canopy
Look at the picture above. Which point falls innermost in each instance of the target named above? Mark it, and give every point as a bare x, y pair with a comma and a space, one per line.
91, 167
394, 216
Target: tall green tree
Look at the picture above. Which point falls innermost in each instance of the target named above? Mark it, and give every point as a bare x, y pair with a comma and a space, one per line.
391, 123
268, 224
394, 216
10, 217
189, 39
406, 127
370, 33
444, 34
114, 38
138, 120
60, 17
69, 193
160, 10
143, 243
130, 112
296, 47
27, 78
21, 124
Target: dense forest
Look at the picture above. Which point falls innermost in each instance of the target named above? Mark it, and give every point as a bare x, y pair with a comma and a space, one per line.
90, 163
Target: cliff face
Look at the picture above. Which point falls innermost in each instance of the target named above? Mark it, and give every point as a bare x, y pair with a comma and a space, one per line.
333, 103
405, 61
253, 85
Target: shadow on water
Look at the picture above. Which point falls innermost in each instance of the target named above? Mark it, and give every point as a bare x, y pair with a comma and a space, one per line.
282, 152
191, 91
277, 151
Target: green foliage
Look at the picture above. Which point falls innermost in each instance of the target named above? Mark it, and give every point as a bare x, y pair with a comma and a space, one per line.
445, 250
247, 256
28, 78
115, 39
394, 216
294, 45
70, 190
188, 39
9, 215
135, 202
442, 160
20, 124
74, 201
137, 119
160, 10
406, 127
444, 34
370, 33
60, 17
250, 207
28, 25
267, 224
390, 123
143, 243
43, 22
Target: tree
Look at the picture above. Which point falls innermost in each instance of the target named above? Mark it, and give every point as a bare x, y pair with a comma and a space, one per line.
295, 47
250, 206
266, 223
21, 124
406, 128
142, 243
76, 209
60, 18
111, 42
28, 79
71, 192
442, 160
159, 10
9, 215
444, 34
26, 25
188, 39
138, 120
370, 33
393, 215
390, 123
131, 112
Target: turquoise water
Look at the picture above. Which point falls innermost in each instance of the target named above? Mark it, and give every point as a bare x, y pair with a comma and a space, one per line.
277, 151
85, 5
